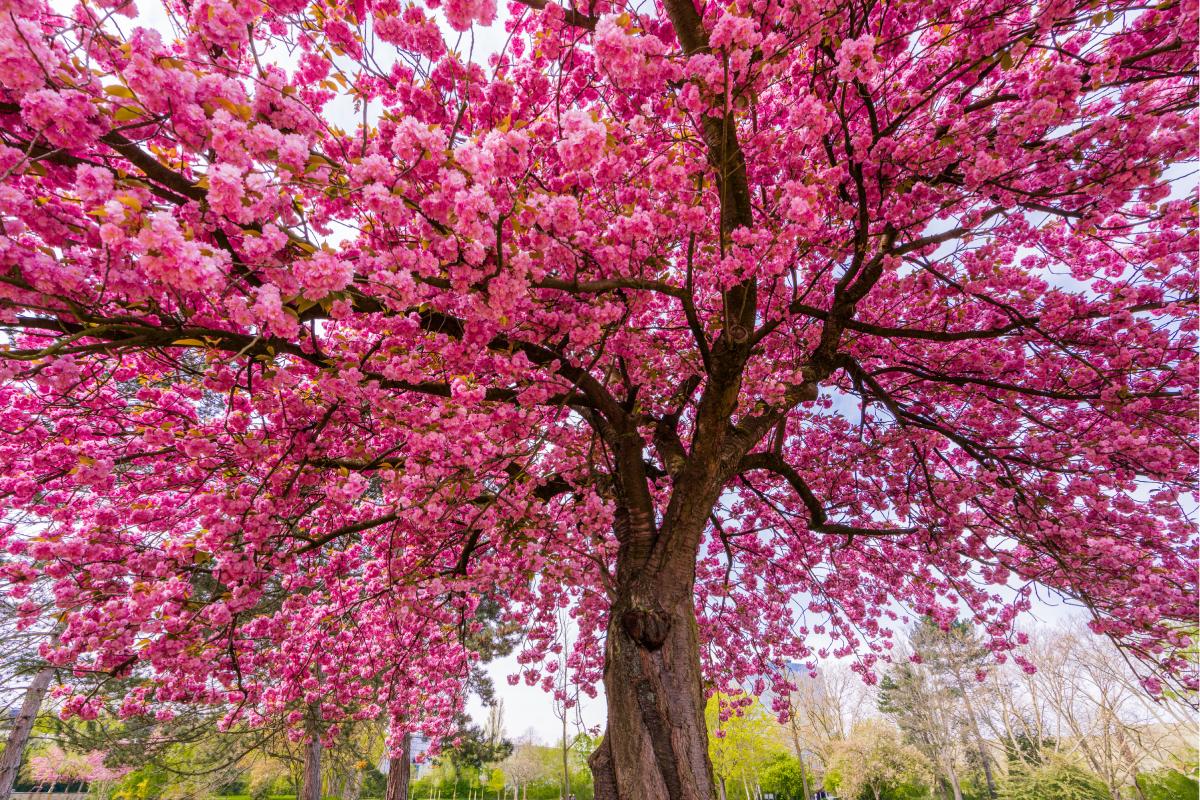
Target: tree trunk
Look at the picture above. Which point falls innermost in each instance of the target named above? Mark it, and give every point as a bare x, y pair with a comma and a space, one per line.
799, 755
310, 777
566, 776
984, 756
952, 774
18, 738
399, 769
656, 743
354, 785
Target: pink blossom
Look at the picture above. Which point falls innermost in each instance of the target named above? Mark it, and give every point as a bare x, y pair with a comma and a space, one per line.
323, 274
856, 59
462, 14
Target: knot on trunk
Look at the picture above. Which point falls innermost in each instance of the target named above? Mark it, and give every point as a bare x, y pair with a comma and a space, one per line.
739, 334
647, 627
809, 390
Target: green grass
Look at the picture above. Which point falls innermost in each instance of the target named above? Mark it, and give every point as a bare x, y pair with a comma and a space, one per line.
289, 797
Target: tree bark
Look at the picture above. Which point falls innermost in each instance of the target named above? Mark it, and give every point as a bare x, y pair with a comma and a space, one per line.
952, 774
310, 776
656, 744
399, 771
18, 738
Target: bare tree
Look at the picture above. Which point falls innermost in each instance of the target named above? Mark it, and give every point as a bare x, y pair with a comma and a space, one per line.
1099, 711
925, 712
954, 659
825, 707
525, 765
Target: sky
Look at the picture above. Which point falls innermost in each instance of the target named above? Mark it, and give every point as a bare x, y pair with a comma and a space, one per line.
528, 707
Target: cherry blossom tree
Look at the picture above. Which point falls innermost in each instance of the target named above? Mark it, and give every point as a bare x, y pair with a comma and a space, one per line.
738, 330
54, 766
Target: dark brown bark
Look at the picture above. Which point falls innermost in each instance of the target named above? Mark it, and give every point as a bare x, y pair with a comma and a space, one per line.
399, 771
18, 737
604, 778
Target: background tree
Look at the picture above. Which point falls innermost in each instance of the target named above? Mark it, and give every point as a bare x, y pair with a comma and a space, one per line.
874, 764
784, 777
957, 662
52, 765
824, 707
925, 713
936, 692
524, 766
28, 624
475, 747
318, 330
1099, 714
1056, 779
1167, 785
744, 738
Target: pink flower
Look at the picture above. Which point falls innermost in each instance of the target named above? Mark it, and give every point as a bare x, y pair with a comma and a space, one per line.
583, 140
65, 118
323, 274
856, 59
269, 311
462, 14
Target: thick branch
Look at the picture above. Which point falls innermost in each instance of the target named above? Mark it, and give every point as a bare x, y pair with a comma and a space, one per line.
111, 336
818, 518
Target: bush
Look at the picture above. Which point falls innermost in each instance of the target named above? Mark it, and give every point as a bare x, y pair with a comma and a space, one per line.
1168, 784
783, 778
1054, 780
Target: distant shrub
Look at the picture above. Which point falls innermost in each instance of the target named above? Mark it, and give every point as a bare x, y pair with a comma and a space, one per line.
1056, 779
1168, 784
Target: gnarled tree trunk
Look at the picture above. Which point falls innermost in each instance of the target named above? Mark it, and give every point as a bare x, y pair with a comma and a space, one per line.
656, 744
